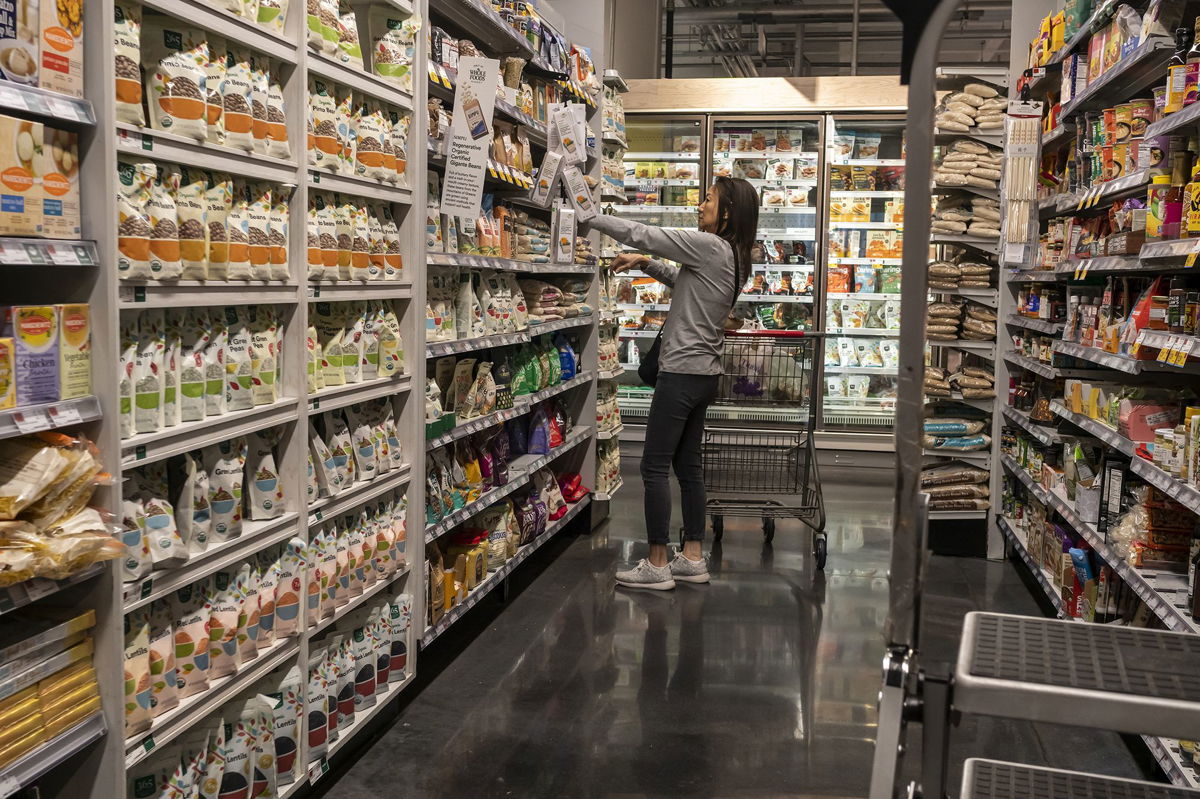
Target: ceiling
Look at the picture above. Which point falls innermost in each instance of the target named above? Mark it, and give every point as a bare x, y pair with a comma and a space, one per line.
769, 38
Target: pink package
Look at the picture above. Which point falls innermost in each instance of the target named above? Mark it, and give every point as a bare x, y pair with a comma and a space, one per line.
1138, 419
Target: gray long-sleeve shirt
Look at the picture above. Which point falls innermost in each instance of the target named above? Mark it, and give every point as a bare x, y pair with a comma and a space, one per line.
702, 290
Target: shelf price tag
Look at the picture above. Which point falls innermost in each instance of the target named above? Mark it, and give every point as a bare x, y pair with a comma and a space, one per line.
318, 770
1164, 351
31, 420
63, 415
1180, 356
11, 252
1190, 261
62, 254
1137, 345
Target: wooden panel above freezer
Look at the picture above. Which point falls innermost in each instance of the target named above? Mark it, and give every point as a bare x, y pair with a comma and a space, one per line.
733, 95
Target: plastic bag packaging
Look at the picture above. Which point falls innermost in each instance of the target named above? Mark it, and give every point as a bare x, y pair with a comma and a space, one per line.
225, 464
191, 613
266, 498
138, 691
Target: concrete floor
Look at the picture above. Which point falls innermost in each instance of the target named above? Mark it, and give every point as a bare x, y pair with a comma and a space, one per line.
761, 684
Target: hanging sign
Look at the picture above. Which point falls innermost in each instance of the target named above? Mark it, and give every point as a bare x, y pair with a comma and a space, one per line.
470, 139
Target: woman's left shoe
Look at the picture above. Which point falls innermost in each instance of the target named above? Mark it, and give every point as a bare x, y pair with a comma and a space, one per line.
647, 575
688, 570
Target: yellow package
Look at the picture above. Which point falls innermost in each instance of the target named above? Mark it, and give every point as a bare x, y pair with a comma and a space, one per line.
20, 747
66, 680
8, 382
74, 350
53, 704
30, 723
65, 721
14, 710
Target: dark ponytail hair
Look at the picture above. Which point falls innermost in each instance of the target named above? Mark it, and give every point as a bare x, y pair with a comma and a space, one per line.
737, 221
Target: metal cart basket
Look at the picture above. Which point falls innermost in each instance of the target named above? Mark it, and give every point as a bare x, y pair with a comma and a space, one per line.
775, 465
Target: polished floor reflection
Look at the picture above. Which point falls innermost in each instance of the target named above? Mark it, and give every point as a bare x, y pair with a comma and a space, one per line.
761, 684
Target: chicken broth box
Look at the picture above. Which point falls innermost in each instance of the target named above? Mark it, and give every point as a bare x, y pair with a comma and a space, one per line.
35, 336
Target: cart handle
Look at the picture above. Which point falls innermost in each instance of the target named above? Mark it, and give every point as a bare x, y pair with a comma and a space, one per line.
776, 333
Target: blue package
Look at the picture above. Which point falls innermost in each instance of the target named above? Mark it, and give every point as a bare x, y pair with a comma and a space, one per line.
566, 357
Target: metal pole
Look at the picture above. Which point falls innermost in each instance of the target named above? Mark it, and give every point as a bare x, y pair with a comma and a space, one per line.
669, 40
854, 40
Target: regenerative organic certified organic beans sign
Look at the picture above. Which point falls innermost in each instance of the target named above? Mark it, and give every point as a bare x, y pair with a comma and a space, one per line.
470, 138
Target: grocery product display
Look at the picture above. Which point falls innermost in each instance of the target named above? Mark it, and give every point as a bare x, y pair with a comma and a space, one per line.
236, 212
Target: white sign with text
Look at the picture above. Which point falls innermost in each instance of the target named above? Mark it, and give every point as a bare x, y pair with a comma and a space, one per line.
470, 139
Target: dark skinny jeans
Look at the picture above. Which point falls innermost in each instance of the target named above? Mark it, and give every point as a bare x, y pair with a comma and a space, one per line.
674, 434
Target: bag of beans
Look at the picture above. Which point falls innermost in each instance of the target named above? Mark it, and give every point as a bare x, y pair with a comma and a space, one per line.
190, 190
369, 136
347, 114
134, 182
238, 229
400, 124
163, 682
349, 51
325, 148
218, 199
394, 45
137, 671
277, 135
214, 70
277, 234
272, 14
327, 231
258, 217
237, 94
127, 55
175, 58
323, 26
260, 85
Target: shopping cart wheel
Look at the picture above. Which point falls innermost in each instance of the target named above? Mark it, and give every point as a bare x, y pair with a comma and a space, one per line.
768, 529
718, 525
820, 551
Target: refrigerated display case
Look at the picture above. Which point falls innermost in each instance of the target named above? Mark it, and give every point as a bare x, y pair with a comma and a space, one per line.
865, 239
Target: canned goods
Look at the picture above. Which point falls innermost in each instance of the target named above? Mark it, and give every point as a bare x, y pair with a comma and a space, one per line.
1110, 127
1160, 102
1122, 123
1120, 156
1132, 150
1154, 152
1107, 166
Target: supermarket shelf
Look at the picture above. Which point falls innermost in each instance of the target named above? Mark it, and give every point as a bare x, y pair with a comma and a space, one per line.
979, 457
480, 23
1132, 185
48, 416
947, 137
613, 78
637, 307
866, 226
362, 717
1016, 470
874, 332
940, 190
1031, 276
255, 537
1029, 364
615, 432
634, 210
1168, 249
984, 348
553, 391
957, 515
614, 373
1101, 431
854, 295
1187, 118
1016, 539
1099, 16
478, 424
988, 245
1139, 70
359, 80
18, 595
145, 142
486, 500
777, 298
362, 492
197, 293
782, 183
867, 161
535, 130
607, 496
867, 261
1079, 268
611, 196
439, 348
1045, 435
359, 187
191, 710
862, 370
626, 333
26, 769
502, 264
494, 579
150, 447
45, 105
349, 394
356, 602
347, 290
982, 403
1060, 135
767, 155
542, 328
982, 296
230, 26
528, 464
1121, 363
637, 183
1175, 763
1040, 325
46, 252
877, 194
646, 155
1158, 339
612, 137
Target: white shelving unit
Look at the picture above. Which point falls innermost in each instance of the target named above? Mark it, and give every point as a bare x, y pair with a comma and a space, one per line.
93, 758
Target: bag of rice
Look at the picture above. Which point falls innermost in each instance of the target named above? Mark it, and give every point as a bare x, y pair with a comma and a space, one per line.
175, 59
237, 95
127, 55
394, 45
134, 185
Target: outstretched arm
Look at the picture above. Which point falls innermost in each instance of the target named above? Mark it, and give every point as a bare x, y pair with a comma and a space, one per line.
691, 248
661, 272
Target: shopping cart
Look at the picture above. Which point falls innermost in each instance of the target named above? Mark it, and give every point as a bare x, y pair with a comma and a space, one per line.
752, 469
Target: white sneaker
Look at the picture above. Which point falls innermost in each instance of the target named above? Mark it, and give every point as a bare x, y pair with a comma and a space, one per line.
647, 575
688, 570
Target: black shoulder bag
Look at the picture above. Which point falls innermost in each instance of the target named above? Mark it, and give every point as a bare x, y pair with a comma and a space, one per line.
648, 368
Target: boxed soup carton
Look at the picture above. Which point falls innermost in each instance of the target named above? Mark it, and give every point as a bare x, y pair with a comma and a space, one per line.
74, 350
60, 184
35, 334
20, 188
61, 47
19, 23
8, 376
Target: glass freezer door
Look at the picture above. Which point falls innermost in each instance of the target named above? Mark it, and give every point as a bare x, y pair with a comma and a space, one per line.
864, 241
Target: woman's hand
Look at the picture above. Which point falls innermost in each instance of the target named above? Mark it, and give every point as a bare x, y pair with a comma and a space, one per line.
628, 260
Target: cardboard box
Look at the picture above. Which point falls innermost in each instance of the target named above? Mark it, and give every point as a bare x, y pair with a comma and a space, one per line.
61, 47
564, 239
20, 190
8, 375
35, 333
19, 22
74, 350
60, 184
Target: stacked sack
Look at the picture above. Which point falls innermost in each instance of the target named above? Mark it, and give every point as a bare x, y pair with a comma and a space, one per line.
948, 321
533, 239
955, 433
584, 255
968, 163
974, 382
951, 276
973, 216
977, 107
979, 323
548, 302
956, 487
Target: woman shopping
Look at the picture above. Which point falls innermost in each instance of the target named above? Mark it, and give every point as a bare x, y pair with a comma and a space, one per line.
714, 265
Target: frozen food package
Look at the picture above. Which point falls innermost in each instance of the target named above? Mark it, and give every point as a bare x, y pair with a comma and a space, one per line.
866, 145
835, 385
867, 350
858, 386
846, 353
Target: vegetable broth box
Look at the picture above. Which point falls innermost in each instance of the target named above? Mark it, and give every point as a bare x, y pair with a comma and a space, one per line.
74, 350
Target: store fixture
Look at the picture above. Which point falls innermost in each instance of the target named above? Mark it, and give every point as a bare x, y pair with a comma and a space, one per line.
253, 261
1094, 346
